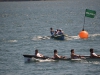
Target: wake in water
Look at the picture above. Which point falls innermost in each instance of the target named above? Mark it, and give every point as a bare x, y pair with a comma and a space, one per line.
37, 60
42, 60
94, 35
36, 38
90, 62
12, 41
71, 37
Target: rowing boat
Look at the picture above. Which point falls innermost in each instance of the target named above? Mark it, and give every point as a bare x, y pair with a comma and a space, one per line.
29, 58
45, 58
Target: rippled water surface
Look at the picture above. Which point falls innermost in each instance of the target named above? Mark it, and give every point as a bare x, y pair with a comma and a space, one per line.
24, 27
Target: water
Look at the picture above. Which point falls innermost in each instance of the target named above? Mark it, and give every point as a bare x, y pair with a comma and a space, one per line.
24, 27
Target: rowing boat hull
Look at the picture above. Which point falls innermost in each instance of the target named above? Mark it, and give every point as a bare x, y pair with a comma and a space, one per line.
29, 58
92, 59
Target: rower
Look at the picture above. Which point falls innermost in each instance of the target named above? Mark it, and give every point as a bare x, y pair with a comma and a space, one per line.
75, 56
56, 55
92, 54
37, 54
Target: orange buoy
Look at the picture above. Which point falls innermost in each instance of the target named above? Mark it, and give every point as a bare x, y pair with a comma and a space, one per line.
83, 34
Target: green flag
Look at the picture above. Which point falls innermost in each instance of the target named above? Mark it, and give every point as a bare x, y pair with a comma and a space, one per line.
90, 13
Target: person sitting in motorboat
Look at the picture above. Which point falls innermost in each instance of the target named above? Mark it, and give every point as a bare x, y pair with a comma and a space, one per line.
52, 31
75, 56
92, 54
60, 32
57, 31
56, 55
37, 54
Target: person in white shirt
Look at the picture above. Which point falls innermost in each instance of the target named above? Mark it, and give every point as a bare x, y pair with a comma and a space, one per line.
93, 55
37, 54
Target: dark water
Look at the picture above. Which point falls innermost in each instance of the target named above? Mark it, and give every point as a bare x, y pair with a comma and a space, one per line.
24, 27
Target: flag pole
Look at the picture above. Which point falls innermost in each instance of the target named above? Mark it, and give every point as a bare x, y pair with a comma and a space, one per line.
83, 24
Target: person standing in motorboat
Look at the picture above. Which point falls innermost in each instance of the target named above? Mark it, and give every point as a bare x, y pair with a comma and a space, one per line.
93, 55
52, 31
37, 54
56, 55
75, 56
